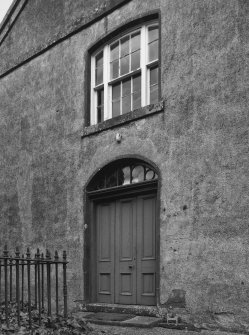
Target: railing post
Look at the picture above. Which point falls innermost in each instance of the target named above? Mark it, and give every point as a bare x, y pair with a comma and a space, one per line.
48, 258
22, 265
29, 289
42, 281
0, 282
35, 283
10, 266
56, 258
5, 255
39, 284
17, 285
65, 282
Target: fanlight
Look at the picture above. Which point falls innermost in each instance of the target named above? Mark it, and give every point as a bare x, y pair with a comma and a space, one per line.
122, 173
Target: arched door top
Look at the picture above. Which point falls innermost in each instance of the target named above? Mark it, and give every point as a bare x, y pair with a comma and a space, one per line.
122, 172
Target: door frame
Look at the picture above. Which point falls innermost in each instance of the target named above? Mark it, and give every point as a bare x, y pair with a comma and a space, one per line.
91, 199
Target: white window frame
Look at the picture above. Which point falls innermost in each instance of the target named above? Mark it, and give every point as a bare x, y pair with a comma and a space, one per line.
144, 70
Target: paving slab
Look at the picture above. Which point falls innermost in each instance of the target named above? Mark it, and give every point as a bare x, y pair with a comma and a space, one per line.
109, 316
142, 321
119, 319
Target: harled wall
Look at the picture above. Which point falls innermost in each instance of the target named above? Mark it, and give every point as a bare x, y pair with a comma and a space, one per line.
199, 142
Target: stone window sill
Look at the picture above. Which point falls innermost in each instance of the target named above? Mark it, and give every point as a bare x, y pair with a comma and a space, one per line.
122, 119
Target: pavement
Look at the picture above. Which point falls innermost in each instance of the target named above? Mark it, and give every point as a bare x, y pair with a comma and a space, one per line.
114, 330
125, 324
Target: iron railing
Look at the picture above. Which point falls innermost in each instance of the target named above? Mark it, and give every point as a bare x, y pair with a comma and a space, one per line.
32, 281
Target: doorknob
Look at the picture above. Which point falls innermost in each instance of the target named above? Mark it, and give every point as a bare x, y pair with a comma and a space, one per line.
130, 266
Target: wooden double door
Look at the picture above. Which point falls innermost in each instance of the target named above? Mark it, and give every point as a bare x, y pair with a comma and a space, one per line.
126, 250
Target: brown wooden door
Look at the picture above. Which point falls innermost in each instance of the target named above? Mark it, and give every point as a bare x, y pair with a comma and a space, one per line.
126, 251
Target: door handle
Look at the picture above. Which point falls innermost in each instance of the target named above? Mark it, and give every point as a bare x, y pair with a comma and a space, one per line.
130, 266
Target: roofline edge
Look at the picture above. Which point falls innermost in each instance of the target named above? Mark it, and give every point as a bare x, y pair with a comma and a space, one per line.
10, 17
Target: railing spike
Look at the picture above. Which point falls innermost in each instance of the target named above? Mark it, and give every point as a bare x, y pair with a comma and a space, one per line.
17, 252
64, 255
28, 253
47, 254
5, 251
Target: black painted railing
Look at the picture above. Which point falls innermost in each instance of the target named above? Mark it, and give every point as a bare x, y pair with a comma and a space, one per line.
35, 282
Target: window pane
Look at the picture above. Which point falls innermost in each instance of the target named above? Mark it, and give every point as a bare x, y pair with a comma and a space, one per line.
135, 60
120, 177
153, 76
126, 89
127, 175
138, 174
137, 83
100, 114
125, 46
116, 91
99, 75
100, 106
135, 41
124, 65
136, 100
99, 68
114, 68
111, 180
100, 98
153, 34
150, 175
115, 51
115, 108
100, 184
99, 59
136, 103
126, 104
153, 51
154, 94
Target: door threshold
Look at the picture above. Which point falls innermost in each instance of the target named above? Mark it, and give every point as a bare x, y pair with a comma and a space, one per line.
117, 308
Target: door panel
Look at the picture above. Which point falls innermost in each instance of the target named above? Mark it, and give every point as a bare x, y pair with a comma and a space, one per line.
105, 252
126, 251
146, 250
125, 279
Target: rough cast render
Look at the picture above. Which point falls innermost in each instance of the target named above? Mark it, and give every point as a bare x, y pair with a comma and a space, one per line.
198, 140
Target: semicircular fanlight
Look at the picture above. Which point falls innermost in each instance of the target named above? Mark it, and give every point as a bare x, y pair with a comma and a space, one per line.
124, 173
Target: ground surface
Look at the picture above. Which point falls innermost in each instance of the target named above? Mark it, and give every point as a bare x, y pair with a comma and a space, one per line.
112, 330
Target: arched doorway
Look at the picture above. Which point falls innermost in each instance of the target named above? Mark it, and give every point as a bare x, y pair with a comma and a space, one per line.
123, 234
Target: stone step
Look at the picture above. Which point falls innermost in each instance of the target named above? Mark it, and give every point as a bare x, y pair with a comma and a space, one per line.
117, 308
119, 319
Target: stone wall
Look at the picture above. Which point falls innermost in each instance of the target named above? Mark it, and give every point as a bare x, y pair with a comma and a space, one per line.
199, 143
